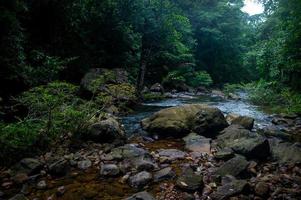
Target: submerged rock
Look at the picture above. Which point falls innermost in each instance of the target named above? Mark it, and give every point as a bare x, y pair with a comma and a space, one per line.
29, 166
141, 179
233, 167
229, 190
141, 196
128, 151
59, 168
190, 181
197, 143
181, 120
171, 154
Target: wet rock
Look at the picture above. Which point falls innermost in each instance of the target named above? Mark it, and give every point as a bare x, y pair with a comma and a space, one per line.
230, 189
29, 166
256, 147
233, 167
163, 174
180, 120
262, 189
59, 168
20, 178
209, 121
231, 133
108, 130
141, 179
109, 170
84, 164
42, 185
218, 93
141, 196
60, 191
197, 143
233, 96
285, 152
274, 131
157, 87
244, 121
171, 154
18, 197
128, 151
224, 154
142, 164
190, 181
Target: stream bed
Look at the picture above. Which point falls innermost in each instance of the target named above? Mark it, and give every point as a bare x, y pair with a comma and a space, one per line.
241, 107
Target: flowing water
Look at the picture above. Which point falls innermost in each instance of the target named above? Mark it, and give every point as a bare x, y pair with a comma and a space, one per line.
241, 107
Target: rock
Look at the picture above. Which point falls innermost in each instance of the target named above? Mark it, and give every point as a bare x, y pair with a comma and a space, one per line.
84, 164
202, 90
157, 87
105, 131
285, 152
256, 147
218, 93
190, 181
233, 167
20, 178
209, 121
262, 189
29, 166
128, 151
273, 131
231, 133
181, 120
60, 191
141, 196
42, 185
141, 179
171, 154
244, 121
230, 189
142, 164
230, 117
1, 193
18, 197
109, 170
224, 154
163, 174
59, 168
197, 143
233, 96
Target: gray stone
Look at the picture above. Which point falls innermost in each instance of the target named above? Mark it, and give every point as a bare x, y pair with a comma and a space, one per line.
141, 179
224, 154
84, 164
197, 143
141, 196
230, 189
190, 181
42, 185
105, 131
157, 87
29, 166
234, 167
163, 174
109, 170
128, 151
59, 168
142, 164
171, 154
285, 152
244, 121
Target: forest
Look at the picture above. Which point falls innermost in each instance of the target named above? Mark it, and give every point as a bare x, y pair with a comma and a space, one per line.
150, 99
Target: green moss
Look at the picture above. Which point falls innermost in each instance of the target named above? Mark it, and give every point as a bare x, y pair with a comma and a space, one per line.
153, 96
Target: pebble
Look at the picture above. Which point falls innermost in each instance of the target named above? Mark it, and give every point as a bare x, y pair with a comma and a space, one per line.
42, 185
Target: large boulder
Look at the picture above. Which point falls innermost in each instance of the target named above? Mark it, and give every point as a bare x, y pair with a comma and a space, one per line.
234, 167
244, 121
105, 131
157, 87
285, 152
243, 142
181, 120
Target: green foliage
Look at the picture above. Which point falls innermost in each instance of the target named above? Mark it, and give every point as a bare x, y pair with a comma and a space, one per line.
232, 88
43, 68
275, 97
200, 78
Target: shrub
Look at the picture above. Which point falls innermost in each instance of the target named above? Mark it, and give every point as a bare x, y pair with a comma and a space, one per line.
200, 78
